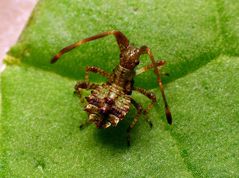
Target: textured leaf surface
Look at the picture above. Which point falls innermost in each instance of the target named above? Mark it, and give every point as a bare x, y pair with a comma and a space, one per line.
40, 133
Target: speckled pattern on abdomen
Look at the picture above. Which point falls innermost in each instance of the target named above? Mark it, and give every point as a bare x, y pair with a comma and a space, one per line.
112, 99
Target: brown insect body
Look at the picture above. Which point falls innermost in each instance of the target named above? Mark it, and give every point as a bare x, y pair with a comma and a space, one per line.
108, 105
110, 102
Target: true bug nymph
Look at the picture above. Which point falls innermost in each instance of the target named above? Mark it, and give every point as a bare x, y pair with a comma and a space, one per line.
110, 102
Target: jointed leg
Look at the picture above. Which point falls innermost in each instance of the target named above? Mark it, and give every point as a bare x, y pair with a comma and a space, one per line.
95, 70
86, 85
146, 50
150, 66
136, 118
153, 99
83, 85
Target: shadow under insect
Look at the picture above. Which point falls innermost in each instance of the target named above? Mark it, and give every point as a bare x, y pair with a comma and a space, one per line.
115, 136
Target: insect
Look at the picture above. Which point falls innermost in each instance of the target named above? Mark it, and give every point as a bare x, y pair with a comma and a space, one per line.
109, 103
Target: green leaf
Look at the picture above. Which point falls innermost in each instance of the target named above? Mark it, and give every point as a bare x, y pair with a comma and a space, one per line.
40, 116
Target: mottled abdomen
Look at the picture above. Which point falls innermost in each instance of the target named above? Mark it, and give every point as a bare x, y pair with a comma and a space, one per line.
107, 105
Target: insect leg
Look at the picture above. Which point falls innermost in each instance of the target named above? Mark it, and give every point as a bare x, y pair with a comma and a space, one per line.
83, 85
122, 41
136, 118
150, 66
95, 70
86, 85
153, 99
146, 50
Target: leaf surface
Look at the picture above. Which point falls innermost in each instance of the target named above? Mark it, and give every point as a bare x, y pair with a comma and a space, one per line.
40, 133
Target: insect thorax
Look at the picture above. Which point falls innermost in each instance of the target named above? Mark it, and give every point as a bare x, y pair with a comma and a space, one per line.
122, 76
